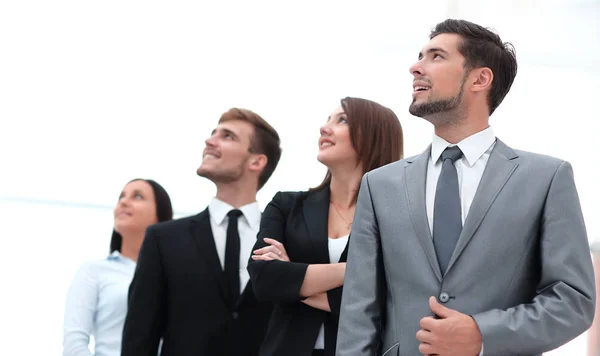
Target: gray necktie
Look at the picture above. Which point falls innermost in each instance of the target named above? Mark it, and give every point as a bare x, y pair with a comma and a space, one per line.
447, 221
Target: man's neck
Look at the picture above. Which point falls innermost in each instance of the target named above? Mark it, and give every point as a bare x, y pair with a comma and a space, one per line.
455, 134
237, 194
467, 124
461, 122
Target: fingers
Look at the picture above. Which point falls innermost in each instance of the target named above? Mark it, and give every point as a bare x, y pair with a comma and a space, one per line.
428, 323
269, 256
267, 249
261, 258
275, 243
438, 309
425, 336
426, 349
426, 339
275, 251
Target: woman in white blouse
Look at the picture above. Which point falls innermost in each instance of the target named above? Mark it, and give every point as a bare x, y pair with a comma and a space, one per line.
96, 302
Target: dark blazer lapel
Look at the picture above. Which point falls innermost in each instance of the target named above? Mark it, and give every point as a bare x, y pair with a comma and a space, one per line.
498, 170
247, 292
316, 215
415, 179
201, 232
244, 294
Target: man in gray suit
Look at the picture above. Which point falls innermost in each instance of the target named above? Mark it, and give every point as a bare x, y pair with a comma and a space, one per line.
471, 247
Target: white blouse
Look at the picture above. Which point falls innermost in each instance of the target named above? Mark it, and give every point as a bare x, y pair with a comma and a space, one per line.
336, 248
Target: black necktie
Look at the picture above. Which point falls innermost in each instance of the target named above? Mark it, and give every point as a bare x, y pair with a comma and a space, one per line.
447, 220
232, 256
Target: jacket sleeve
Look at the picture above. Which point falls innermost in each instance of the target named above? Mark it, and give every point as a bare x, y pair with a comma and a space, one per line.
276, 280
146, 302
564, 305
363, 298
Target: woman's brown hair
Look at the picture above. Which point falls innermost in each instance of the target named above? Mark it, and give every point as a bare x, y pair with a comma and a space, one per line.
375, 133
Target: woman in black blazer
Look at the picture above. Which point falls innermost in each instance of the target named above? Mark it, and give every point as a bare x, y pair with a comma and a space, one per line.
299, 258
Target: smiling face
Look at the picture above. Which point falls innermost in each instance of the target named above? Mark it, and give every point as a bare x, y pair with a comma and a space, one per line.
439, 78
225, 157
136, 209
335, 144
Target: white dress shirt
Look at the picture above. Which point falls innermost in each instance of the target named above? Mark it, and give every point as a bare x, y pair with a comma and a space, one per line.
336, 248
476, 151
96, 306
248, 226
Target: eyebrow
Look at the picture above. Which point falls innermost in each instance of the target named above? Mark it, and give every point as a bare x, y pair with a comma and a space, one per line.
135, 191
230, 132
338, 114
227, 131
433, 50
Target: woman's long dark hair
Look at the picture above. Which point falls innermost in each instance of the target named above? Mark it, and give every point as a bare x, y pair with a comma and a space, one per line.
375, 133
164, 211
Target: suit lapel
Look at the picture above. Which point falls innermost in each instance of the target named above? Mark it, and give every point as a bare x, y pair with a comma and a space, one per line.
203, 236
415, 180
497, 172
316, 214
244, 295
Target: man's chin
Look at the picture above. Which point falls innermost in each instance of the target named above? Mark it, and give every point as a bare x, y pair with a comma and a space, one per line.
202, 172
416, 110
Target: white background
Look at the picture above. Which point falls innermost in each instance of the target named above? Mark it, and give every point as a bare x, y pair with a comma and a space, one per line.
95, 93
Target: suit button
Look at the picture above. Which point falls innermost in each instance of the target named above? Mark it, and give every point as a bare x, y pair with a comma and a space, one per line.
444, 297
234, 315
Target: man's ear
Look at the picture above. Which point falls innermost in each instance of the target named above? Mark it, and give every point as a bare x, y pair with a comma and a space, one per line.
481, 79
257, 162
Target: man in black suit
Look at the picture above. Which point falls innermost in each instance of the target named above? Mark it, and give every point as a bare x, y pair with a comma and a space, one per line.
190, 287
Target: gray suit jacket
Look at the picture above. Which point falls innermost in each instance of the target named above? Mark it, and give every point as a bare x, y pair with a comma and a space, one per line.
521, 268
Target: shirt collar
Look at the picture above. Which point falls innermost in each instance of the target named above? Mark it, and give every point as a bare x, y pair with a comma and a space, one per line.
472, 147
218, 210
116, 256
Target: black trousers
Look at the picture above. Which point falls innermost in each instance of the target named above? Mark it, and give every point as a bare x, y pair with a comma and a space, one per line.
318, 352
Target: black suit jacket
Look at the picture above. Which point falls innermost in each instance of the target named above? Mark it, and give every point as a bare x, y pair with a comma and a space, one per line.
299, 221
179, 293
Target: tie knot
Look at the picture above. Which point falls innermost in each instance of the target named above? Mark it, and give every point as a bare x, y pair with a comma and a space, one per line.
452, 153
234, 213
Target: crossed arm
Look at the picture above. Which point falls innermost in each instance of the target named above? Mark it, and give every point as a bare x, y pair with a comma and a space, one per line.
318, 280
275, 277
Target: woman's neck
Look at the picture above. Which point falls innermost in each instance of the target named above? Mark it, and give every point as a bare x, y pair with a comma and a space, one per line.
344, 187
131, 244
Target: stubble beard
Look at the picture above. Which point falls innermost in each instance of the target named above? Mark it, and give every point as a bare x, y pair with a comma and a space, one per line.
223, 175
443, 112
